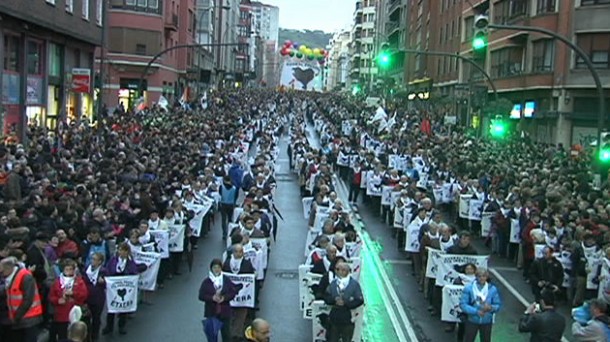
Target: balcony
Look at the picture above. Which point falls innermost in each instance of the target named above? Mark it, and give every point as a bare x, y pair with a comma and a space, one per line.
391, 27
393, 6
171, 22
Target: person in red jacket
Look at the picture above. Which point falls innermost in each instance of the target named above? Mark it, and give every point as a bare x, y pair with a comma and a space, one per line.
65, 247
68, 291
528, 242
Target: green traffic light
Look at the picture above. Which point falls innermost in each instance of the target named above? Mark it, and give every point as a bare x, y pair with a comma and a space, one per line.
604, 155
498, 130
384, 59
356, 89
479, 43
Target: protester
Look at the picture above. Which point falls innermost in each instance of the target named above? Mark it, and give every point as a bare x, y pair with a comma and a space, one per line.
597, 328
77, 332
480, 302
216, 292
343, 294
541, 319
68, 291
94, 276
546, 273
258, 331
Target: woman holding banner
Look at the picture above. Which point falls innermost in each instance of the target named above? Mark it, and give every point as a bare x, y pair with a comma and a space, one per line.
216, 292
480, 302
96, 285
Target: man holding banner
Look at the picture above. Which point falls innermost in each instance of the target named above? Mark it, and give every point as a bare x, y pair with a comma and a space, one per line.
480, 302
344, 294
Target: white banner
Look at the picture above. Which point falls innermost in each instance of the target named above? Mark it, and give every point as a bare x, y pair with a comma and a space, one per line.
148, 278
356, 267
200, 210
303, 270
320, 321
122, 294
307, 206
256, 258
475, 209
176, 238
386, 195
343, 160
431, 263
604, 281
301, 75
374, 186
448, 265
260, 244
354, 249
486, 217
162, 240
309, 281
245, 297
450, 309
464, 206
412, 243
515, 231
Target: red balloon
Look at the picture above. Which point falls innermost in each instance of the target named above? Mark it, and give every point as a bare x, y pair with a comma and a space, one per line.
287, 43
283, 52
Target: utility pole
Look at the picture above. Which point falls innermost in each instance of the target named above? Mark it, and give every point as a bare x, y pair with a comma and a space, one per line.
102, 75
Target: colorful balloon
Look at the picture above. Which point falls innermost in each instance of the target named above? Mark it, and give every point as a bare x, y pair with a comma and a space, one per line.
295, 45
308, 51
311, 57
316, 51
291, 53
321, 58
287, 43
299, 55
303, 48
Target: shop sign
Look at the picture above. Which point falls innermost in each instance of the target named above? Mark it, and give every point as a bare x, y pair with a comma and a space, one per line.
81, 80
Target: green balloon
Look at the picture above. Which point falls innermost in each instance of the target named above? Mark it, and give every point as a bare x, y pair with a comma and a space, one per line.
321, 58
291, 53
311, 57
299, 55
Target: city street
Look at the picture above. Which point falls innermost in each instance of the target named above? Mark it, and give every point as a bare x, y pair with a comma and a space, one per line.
177, 313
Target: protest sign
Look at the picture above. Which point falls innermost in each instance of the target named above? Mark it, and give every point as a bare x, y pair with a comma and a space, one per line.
148, 278
398, 219
303, 270
450, 309
309, 240
475, 209
450, 266
515, 231
311, 280
449, 191
364, 179
354, 248
245, 297
412, 243
320, 321
122, 294
486, 217
395, 197
464, 206
431, 263
386, 194
307, 206
162, 240
197, 221
356, 267
373, 187
343, 159
565, 258
176, 238
260, 244
594, 259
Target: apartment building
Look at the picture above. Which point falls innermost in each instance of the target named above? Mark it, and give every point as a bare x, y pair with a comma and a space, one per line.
362, 48
338, 60
266, 19
48, 54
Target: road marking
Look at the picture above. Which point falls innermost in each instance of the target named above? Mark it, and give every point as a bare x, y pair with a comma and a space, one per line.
386, 286
397, 262
283, 160
506, 269
515, 293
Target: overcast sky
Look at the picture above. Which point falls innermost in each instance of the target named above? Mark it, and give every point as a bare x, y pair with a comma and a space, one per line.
325, 15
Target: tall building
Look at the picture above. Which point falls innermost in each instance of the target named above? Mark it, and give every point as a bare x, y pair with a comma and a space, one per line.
393, 25
338, 60
549, 87
362, 48
139, 30
245, 52
48, 57
266, 26
227, 19
205, 58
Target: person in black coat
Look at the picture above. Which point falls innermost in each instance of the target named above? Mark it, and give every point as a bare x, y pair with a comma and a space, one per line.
217, 291
545, 273
344, 295
237, 264
544, 323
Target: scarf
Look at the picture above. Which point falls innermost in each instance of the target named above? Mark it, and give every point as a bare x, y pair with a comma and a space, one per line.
480, 295
235, 264
92, 274
342, 283
121, 265
216, 280
467, 278
433, 237
144, 239
66, 283
326, 264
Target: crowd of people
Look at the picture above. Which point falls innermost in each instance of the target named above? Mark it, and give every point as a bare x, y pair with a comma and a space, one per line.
78, 203
538, 206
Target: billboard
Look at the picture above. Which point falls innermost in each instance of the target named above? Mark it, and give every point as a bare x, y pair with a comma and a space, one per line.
301, 75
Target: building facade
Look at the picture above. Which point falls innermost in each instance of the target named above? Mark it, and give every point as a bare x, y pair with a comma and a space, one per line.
48, 54
393, 25
362, 49
205, 60
551, 90
266, 26
338, 61
245, 51
267, 19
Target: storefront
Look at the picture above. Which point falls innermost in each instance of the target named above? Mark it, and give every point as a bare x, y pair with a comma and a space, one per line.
129, 92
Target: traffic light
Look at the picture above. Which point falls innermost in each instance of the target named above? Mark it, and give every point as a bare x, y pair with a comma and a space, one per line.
479, 38
604, 148
356, 89
384, 58
498, 128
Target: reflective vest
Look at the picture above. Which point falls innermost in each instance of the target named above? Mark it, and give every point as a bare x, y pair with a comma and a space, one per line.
15, 297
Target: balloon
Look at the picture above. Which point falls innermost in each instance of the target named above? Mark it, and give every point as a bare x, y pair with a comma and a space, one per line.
283, 52
303, 48
316, 51
311, 57
299, 55
291, 53
308, 51
287, 43
321, 58
322, 62
295, 45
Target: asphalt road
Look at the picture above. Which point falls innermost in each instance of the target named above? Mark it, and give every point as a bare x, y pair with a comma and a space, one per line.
176, 312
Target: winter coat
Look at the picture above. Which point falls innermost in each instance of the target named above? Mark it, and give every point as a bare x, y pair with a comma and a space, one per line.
352, 298
97, 292
130, 269
206, 294
547, 326
594, 331
470, 306
79, 297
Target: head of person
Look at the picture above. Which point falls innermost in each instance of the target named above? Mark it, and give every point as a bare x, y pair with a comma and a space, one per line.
68, 267
331, 252
154, 215
589, 240
216, 267
42, 240
547, 252
124, 251
77, 332
7, 266
323, 242
339, 240
342, 269
547, 298
482, 275
261, 330
61, 235
464, 239
470, 269
238, 251
97, 259
597, 307
94, 235
249, 222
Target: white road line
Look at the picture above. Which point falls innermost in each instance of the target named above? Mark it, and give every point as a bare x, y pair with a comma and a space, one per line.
514, 292
397, 262
387, 286
506, 269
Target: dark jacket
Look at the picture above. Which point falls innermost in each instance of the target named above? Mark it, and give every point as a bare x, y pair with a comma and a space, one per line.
97, 292
549, 271
35, 257
352, 298
130, 269
245, 268
28, 288
457, 249
546, 326
207, 292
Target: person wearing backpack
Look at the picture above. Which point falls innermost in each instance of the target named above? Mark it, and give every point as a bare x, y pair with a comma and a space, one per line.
596, 329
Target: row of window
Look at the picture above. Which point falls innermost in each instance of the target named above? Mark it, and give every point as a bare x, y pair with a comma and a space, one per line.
69, 6
34, 57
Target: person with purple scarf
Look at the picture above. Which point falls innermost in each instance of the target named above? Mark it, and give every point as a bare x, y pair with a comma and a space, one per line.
120, 265
96, 284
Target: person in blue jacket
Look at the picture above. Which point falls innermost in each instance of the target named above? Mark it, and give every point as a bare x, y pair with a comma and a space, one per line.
480, 302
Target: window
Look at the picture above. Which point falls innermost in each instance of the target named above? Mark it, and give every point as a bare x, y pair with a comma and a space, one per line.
597, 46
11, 53
85, 9
69, 6
545, 6
440, 36
594, 2
140, 49
54, 60
468, 28
142, 3
153, 4
544, 53
518, 8
507, 62
99, 12
34, 57
130, 2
